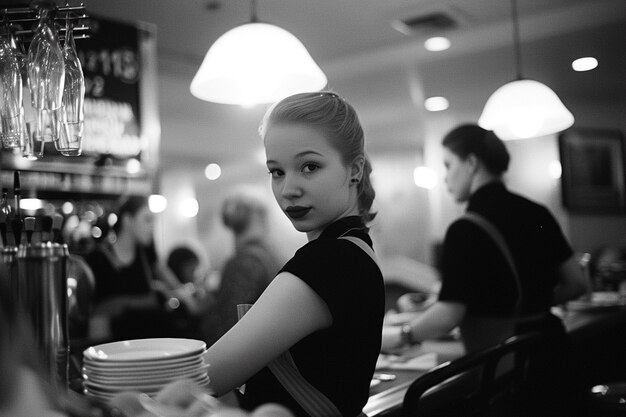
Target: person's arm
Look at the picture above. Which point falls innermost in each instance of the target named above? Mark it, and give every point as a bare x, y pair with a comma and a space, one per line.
435, 322
286, 312
572, 282
166, 275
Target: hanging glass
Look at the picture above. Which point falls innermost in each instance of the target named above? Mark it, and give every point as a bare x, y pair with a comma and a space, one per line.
46, 77
69, 142
10, 95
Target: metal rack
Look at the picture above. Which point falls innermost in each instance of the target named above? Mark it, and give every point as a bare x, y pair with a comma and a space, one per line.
23, 20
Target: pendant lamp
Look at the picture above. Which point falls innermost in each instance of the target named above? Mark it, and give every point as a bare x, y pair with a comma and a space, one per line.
256, 63
524, 108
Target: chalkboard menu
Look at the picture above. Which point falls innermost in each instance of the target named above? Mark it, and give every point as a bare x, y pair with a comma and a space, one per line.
112, 68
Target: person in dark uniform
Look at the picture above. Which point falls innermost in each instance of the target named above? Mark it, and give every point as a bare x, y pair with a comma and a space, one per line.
325, 307
479, 292
131, 285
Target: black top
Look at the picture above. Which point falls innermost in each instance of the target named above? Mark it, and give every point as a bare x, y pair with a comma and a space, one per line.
113, 280
340, 360
476, 274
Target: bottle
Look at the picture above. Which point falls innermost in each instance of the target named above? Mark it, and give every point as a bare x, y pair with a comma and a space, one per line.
5, 208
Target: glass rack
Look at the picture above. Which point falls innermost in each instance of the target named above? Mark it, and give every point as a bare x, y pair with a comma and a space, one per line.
23, 20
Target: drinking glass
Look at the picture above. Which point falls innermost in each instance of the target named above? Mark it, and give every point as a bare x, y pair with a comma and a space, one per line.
10, 97
27, 114
32, 147
69, 142
46, 76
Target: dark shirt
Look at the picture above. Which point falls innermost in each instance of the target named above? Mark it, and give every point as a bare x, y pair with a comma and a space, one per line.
475, 273
113, 280
340, 360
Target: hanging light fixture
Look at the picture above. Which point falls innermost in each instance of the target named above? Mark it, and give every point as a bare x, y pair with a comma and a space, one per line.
524, 108
256, 63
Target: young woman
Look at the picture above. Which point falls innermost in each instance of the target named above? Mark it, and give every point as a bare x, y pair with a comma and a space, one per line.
325, 307
480, 291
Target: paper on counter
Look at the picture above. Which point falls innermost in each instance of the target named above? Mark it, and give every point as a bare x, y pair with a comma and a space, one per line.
422, 362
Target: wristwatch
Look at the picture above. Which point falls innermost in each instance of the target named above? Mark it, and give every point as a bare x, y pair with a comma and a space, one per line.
406, 334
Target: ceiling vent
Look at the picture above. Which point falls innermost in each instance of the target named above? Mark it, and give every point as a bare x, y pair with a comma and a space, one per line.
424, 24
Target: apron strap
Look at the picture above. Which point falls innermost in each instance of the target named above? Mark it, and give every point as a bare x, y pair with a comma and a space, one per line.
315, 403
496, 236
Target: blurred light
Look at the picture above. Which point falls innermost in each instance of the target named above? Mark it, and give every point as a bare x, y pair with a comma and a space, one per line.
133, 166
49, 209
212, 171
584, 64
189, 207
157, 203
31, 204
24, 163
173, 303
112, 219
96, 232
555, 170
437, 44
425, 177
98, 210
436, 103
72, 222
90, 216
72, 282
67, 208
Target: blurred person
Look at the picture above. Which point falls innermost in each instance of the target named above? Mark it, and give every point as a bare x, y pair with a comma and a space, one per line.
321, 316
134, 294
184, 262
480, 293
249, 270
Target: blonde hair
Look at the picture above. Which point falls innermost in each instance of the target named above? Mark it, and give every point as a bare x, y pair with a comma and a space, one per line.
339, 122
239, 208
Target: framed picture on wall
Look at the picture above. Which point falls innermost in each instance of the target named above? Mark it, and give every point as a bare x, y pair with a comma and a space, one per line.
593, 174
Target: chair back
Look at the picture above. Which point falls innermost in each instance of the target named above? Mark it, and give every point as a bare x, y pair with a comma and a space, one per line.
489, 382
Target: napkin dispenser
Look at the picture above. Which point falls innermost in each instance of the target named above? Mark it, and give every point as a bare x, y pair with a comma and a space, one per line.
42, 291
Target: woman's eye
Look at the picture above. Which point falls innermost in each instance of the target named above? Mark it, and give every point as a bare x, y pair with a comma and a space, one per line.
275, 173
310, 167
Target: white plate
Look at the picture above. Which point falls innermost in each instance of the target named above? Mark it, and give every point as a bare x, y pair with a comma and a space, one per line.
131, 366
144, 350
103, 378
148, 388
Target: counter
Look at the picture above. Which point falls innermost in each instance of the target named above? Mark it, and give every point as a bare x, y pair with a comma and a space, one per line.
597, 336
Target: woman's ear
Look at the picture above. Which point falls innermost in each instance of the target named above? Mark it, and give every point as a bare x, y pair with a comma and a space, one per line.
356, 172
473, 162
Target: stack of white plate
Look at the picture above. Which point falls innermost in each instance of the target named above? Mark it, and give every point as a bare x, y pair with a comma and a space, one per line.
144, 365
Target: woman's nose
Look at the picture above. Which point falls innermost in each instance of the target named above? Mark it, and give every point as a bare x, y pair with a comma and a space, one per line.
291, 187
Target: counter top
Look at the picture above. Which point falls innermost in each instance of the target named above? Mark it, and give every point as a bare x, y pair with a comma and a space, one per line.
386, 397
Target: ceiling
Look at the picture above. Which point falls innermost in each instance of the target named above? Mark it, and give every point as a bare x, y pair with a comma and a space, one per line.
383, 72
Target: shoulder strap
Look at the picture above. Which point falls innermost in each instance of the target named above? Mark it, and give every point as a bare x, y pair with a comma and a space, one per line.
496, 236
364, 246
